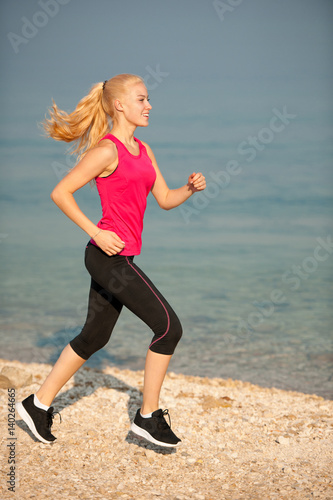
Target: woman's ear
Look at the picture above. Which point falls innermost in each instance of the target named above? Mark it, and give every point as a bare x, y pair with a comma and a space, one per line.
118, 105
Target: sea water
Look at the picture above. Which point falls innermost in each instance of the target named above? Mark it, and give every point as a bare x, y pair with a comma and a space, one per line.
247, 266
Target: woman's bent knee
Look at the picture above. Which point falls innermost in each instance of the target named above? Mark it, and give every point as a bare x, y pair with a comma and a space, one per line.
167, 343
86, 349
177, 332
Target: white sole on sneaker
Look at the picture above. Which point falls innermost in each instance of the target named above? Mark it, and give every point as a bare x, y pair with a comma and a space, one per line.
141, 432
30, 423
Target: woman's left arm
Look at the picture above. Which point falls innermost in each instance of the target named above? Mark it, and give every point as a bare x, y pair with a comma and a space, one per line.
171, 198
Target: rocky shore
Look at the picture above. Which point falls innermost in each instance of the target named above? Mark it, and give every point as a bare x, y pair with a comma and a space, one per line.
239, 441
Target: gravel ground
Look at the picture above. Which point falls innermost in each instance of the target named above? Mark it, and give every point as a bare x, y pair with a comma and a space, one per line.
239, 441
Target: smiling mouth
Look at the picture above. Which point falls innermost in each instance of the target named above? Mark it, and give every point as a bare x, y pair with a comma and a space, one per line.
146, 115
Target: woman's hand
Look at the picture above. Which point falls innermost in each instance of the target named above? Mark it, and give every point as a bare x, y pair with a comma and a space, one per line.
109, 242
196, 182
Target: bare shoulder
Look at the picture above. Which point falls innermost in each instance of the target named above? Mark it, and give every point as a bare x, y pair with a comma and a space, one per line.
146, 145
107, 149
103, 158
149, 150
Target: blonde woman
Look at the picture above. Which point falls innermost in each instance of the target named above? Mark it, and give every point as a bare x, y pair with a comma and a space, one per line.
125, 170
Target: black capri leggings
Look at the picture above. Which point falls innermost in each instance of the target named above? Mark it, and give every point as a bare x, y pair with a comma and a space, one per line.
117, 281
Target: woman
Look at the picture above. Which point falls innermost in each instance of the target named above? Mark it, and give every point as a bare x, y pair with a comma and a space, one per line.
125, 171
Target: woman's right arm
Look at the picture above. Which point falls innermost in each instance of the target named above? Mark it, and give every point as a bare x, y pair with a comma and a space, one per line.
93, 164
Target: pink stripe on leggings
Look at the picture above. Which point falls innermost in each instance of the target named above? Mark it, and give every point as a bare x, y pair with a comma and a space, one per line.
166, 312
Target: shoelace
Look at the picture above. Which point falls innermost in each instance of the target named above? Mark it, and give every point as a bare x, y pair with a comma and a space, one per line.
50, 416
166, 412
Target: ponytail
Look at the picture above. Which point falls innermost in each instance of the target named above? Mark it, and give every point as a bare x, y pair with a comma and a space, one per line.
92, 117
85, 125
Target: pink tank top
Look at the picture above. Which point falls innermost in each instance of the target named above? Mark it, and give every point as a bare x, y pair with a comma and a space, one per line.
124, 195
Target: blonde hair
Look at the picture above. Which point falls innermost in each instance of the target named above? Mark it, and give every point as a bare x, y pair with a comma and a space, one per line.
92, 118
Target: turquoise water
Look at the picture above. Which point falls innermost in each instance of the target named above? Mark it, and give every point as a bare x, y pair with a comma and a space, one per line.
225, 260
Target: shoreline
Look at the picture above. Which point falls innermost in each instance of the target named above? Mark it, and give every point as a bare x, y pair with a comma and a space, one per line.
239, 440
307, 380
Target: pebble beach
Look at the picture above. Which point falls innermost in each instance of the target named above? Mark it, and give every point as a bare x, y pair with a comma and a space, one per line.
239, 441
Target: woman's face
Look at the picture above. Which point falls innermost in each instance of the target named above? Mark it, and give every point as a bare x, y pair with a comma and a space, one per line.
135, 105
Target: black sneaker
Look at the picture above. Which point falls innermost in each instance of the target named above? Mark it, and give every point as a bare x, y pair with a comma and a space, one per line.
155, 429
39, 421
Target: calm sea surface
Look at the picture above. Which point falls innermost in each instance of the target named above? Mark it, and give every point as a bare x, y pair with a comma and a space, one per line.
247, 266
